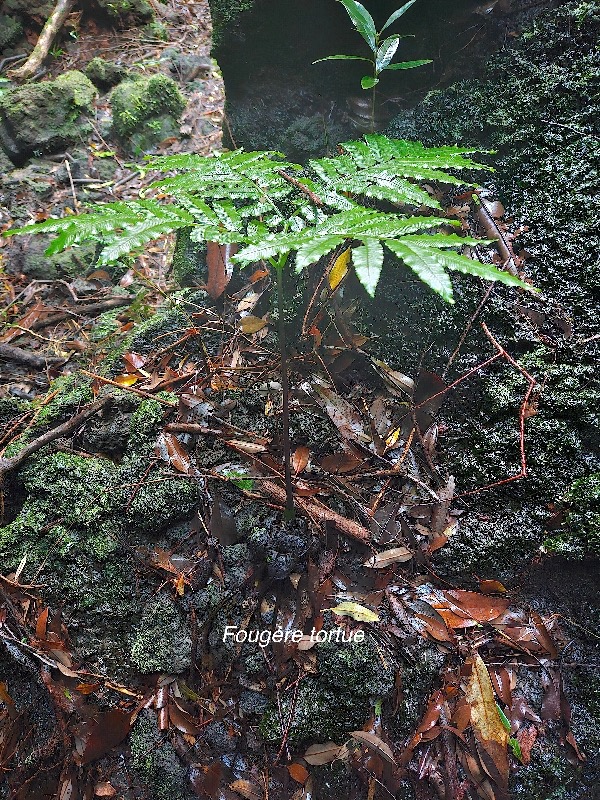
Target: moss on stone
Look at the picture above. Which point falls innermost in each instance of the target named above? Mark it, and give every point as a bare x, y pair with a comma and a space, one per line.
117, 8
104, 74
189, 259
145, 111
10, 30
162, 642
72, 392
581, 536
46, 116
156, 760
351, 678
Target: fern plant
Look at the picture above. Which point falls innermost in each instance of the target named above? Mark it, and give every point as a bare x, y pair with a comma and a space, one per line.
274, 209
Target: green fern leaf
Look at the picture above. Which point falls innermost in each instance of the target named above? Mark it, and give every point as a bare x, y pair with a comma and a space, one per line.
311, 251
423, 262
368, 262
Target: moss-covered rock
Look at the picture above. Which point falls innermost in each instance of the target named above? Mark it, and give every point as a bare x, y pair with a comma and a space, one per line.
104, 74
146, 111
162, 643
351, 678
119, 8
10, 30
156, 761
581, 533
45, 117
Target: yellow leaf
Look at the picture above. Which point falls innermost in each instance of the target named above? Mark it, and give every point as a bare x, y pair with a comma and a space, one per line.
339, 269
126, 380
356, 611
252, 324
490, 733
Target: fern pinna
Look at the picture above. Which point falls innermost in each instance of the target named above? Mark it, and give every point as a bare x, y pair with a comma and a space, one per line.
272, 209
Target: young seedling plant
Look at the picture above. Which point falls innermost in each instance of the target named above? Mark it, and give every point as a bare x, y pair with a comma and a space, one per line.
382, 52
278, 212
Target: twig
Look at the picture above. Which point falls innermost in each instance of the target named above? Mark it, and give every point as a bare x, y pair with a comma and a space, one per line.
12, 353
8, 464
301, 187
75, 200
92, 308
140, 392
53, 24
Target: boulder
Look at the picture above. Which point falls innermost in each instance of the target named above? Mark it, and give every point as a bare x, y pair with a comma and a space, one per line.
10, 30
117, 8
146, 111
45, 117
105, 74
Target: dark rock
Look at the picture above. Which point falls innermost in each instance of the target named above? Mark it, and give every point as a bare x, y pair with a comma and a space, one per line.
45, 117
217, 737
10, 31
163, 643
104, 74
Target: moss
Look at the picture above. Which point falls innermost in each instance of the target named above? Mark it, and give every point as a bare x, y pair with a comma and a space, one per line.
144, 108
189, 259
45, 116
105, 325
117, 8
72, 392
351, 677
162, 643
581, 536
145, 423
10, 31
224, 12
104, 74
156, 760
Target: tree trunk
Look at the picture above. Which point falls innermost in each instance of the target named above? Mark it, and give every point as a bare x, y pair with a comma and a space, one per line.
53, 24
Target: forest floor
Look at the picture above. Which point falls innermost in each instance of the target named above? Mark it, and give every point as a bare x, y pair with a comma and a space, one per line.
147, 521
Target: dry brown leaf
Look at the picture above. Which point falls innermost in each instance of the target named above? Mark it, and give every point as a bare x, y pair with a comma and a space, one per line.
375, 743
247, 447
340, 463
491, 587
436, 629
490, 734
248, 790
104, 789
169, 448
300, 458
100, 734
319, 754
218, 262
387, 557
298, 772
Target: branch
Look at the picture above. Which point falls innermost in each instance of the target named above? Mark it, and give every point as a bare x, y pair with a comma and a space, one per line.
8, 464
39, 53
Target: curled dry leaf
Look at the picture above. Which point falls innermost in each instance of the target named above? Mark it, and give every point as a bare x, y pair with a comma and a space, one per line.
387, 557
436, 629
300, 458
356, 611
375, 743
248, 790
490, 733
169, 448
318, 754
298, 772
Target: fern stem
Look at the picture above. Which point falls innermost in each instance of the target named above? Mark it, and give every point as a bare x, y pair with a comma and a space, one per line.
285, 384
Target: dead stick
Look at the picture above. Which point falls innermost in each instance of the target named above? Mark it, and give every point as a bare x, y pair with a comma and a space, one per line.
39, 53
318, 511
12, 353
8, 464
301, 187
91, 308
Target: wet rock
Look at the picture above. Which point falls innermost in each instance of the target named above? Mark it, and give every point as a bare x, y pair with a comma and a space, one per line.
146, 111
216, 736
10, 31
104, 74
252, 702
163, 643
121, 8
156, 761
45, 117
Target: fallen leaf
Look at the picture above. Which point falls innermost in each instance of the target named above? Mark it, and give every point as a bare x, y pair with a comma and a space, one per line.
298, 772
103, 732
490, 734
220, 268
387, 557
374, 742
319, 754
340, 463
339, 269
169, 448
356, 611
526, 738
126, 380
300, 458
491, 587
396, 381
252, 324
247, 447
436, 629
248, 790
104, 789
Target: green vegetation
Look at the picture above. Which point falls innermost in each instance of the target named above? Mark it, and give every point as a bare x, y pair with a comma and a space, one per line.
382, 52
146, 110
255, 200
